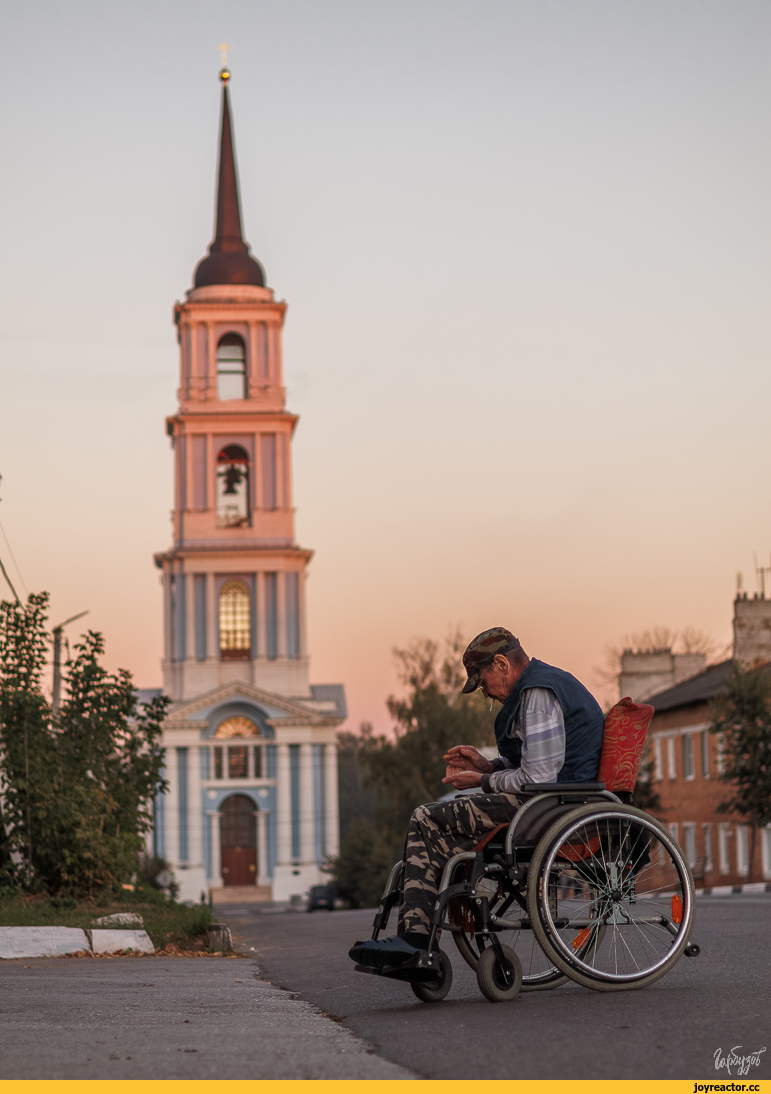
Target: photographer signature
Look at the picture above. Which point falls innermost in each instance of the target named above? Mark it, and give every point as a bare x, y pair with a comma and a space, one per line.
733, 1059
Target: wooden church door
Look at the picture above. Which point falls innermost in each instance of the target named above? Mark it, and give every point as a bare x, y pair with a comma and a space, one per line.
239, 841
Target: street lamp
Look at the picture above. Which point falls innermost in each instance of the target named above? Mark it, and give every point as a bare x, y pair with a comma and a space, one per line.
57, 632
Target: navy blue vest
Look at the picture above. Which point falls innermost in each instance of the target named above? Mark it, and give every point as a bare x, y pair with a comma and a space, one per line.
583, 721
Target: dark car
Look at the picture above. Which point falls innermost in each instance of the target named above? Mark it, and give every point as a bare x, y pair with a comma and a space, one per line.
321, 896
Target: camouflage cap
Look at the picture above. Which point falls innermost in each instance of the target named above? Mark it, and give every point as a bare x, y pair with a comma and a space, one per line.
481, 650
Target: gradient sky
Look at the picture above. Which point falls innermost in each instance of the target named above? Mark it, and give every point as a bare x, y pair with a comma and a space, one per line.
525, 247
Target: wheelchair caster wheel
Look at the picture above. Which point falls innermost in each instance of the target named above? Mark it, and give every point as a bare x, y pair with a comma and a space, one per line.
434, 991
495, 983
692, 950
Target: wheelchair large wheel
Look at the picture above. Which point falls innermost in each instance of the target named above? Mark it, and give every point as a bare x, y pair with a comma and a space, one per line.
538, 971
610, 897
434, 991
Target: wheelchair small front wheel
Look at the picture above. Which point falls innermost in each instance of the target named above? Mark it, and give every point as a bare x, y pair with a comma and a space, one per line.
496, 982
435, 990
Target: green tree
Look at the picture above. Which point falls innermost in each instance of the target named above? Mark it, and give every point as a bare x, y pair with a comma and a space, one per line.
77, 784
406, 770
645, 794
741, 716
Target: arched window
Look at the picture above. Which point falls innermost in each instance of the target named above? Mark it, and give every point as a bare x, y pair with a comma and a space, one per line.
231, 367
232, 487
237, 726
235, 622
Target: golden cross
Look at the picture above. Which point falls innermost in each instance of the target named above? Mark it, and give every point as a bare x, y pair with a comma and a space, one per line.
223, 48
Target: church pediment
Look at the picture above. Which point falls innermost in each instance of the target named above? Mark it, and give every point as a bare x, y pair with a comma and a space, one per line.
277, 709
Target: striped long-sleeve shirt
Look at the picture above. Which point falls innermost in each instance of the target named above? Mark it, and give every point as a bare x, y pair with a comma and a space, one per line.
540, 725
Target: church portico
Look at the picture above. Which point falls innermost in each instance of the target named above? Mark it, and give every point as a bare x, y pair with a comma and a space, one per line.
251, 753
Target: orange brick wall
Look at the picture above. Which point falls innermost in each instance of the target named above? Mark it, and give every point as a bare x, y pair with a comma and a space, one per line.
694, 801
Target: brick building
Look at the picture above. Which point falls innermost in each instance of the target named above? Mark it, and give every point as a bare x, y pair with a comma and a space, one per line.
687, 762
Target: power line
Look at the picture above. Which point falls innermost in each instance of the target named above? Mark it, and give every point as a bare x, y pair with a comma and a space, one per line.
13, 559
10, 584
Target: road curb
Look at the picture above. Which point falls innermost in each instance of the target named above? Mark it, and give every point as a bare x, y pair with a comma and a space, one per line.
58, 941
753, 888
111, 941
41, 941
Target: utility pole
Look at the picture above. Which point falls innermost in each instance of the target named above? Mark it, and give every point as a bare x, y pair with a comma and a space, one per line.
58, 658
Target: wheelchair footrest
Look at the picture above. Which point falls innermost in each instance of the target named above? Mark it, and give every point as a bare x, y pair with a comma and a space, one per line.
422, 966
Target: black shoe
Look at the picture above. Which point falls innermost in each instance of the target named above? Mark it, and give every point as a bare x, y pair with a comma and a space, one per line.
386, 952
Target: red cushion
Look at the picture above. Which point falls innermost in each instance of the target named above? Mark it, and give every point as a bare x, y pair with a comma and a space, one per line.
623, 744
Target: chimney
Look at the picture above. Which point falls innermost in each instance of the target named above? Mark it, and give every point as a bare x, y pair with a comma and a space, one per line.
752, 629
647, 672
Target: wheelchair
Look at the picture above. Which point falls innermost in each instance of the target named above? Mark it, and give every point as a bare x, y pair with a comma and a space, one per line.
580, 886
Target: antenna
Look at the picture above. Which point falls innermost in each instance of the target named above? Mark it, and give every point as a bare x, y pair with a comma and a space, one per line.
739, 583
760, 575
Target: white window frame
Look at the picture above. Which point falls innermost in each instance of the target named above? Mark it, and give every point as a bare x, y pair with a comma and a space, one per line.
720, 754
765, 850
689, 842
706, 830
742, 850
658, 760
671, 762
674, 829
724, 850
704, 754
687, 749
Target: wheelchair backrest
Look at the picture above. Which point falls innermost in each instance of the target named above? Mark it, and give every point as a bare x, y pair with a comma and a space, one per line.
623, 744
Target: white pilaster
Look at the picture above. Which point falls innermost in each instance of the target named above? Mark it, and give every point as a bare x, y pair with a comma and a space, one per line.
262, 848
194, 818
283, 805
307, 833
281, 612
171, 809
212, 651
216, 856
332, 823
190, 606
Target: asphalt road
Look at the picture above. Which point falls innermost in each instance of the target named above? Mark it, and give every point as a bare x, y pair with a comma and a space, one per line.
670, 1030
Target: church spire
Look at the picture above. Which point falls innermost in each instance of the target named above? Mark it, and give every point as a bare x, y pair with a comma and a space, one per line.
228, 261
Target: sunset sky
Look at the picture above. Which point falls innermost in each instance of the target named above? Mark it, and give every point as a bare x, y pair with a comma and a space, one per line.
525, 247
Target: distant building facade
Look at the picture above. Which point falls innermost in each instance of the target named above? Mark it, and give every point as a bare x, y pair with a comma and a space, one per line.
687, 762
251, 755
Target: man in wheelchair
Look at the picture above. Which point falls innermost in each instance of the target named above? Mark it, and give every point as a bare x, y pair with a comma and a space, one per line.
549, 730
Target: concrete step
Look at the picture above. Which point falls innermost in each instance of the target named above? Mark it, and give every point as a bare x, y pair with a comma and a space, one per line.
242, 894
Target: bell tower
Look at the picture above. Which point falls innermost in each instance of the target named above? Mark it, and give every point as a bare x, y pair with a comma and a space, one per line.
234, 578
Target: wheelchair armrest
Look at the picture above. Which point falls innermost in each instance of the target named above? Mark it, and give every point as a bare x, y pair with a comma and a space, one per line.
561, 788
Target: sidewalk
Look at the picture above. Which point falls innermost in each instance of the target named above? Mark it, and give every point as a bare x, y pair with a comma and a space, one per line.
753, 889
168, 1018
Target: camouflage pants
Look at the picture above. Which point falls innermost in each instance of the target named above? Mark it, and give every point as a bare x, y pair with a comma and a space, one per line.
436, 833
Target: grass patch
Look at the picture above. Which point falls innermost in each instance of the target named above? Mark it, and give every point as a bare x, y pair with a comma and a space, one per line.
164, 920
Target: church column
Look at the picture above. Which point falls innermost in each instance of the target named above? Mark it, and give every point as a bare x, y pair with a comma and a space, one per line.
301, 578
332, 842
216, 849
262, 848
190, 618
283, 805
168, 633
194, 818
171, 811
281, 612
212, 618
307, 831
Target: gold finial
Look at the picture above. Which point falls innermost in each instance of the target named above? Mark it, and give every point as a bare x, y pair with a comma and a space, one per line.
224, 71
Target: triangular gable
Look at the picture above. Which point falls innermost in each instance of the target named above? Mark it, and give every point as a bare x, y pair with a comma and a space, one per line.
237, 689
